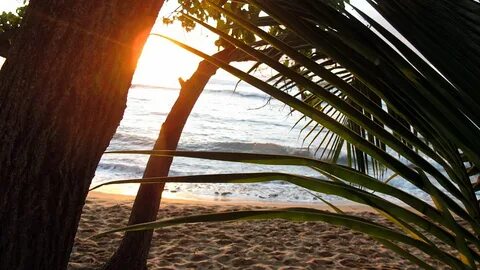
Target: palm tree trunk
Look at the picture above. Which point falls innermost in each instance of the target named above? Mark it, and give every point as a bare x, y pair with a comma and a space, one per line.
63, 91
133, 250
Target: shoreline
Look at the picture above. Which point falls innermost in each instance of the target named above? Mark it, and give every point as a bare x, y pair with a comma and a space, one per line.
349, 207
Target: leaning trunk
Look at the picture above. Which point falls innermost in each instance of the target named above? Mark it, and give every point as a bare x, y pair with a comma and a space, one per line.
133, 251
63, 91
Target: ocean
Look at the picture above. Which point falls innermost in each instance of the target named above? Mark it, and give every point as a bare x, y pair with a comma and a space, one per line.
225, 118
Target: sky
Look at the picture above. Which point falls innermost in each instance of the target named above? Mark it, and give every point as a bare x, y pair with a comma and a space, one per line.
10, 5
161, 63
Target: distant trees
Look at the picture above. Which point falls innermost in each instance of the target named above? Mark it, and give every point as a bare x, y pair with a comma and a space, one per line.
63, 90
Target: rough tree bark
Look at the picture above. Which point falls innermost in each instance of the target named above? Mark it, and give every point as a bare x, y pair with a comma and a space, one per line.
5, 39
133, 250
63, 91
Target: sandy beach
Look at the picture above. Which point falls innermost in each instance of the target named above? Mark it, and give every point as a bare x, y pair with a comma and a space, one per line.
276, 244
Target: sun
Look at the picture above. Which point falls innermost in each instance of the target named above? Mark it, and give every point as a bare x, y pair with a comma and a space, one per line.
162, 63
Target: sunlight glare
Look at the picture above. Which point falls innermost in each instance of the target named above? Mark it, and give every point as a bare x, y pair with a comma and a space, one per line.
162, 62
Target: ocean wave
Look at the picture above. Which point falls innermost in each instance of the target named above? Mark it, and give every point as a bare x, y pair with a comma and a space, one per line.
211, 118
237, 93
121, 139
158, 113
259, 148
121, 168
264, 148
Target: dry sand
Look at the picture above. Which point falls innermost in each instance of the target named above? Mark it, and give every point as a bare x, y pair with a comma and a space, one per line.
275, 244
